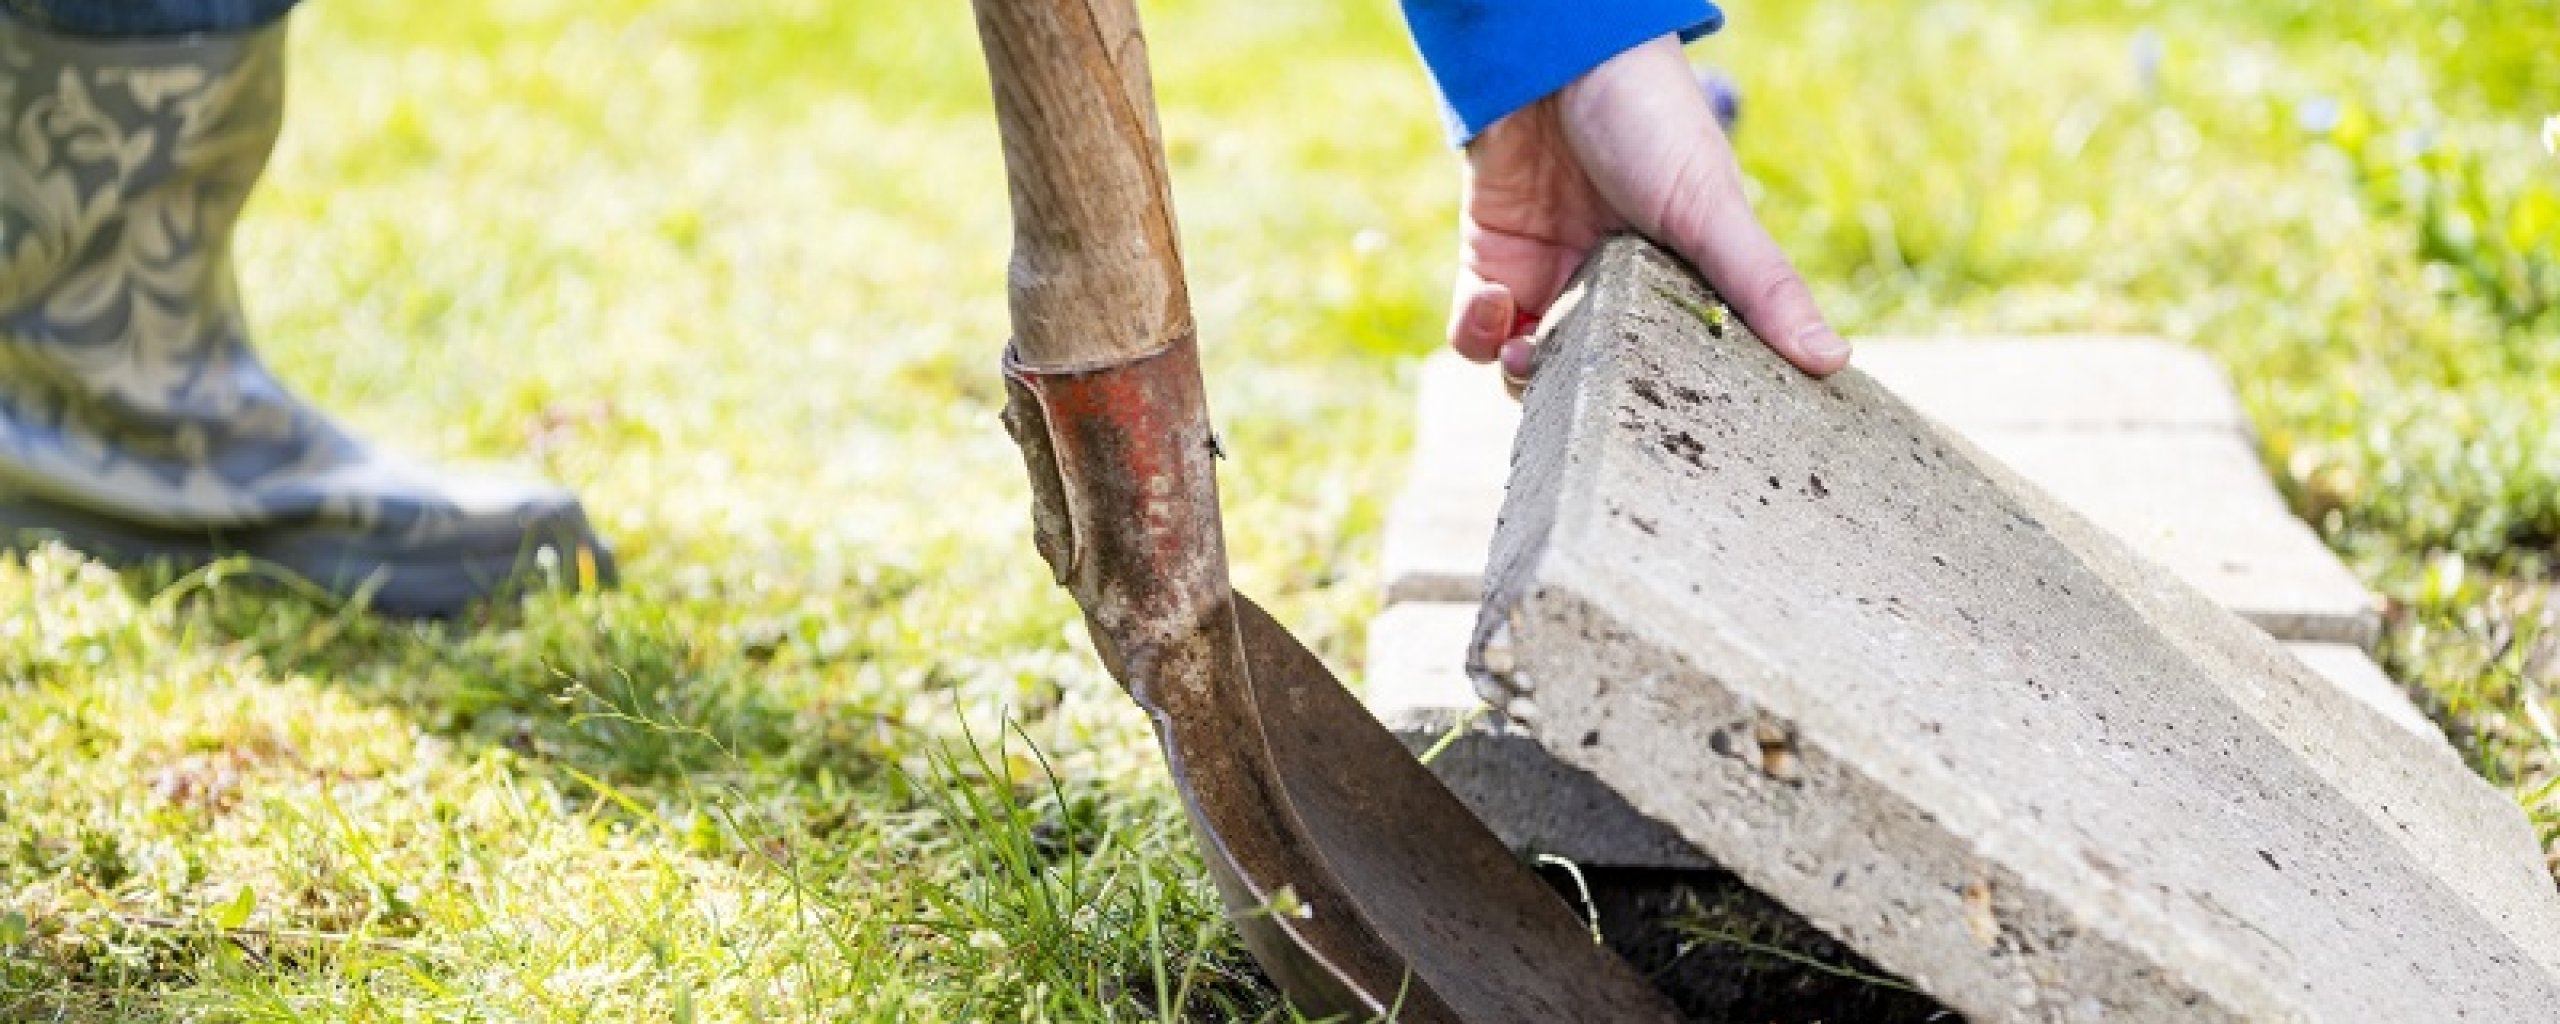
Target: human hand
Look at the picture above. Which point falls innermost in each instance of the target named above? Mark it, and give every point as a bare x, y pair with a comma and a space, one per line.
1630, 144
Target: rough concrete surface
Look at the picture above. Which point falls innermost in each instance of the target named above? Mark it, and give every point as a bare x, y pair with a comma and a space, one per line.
1418, 686
1883, 680
2140, 434
1538, 805
2350, 669
2198, 502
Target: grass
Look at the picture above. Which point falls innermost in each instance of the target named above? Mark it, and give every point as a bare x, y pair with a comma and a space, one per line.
837, 750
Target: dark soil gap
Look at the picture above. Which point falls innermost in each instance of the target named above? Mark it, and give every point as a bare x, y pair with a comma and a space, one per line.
1709, 942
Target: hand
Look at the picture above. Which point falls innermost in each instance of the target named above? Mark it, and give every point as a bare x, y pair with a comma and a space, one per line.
1631, 144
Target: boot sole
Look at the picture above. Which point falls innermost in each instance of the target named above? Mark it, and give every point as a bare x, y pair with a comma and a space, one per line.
405, 579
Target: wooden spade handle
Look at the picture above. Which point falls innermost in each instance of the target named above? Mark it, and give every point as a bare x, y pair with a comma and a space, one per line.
1097, 265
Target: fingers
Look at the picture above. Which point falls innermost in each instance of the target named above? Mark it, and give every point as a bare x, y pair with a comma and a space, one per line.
1744, 264
1480, 316
1527, 219
1651, 146
1505, 283
1505, 278
1519, 358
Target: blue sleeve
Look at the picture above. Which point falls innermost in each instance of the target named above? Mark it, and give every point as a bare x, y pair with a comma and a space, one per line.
1491, 57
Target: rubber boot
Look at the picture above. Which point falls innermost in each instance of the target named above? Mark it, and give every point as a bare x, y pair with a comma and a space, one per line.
136, 422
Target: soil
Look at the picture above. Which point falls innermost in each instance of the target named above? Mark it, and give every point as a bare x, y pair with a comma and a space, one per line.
1727, 954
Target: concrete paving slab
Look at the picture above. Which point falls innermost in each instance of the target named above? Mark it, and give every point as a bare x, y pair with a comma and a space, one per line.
2199, 503
2085, 382
2350, 669
1417, 666
1432, 546
2140, 434
1418, 686
1885, 680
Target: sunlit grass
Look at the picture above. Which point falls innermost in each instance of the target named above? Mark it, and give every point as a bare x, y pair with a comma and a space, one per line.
734, 270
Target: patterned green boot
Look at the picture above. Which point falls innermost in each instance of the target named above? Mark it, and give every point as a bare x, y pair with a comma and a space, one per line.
135, 421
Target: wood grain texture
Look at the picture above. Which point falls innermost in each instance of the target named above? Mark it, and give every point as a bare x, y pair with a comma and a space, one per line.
1096, 275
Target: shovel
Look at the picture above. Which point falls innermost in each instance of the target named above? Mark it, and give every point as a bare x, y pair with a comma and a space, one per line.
1358, 882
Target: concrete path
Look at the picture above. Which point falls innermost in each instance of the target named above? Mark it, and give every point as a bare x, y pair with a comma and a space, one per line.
1856, 660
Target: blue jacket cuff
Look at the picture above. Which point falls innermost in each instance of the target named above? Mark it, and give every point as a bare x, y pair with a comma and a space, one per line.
1491, 57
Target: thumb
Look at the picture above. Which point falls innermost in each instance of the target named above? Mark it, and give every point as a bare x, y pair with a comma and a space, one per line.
1726, 243
1651, 145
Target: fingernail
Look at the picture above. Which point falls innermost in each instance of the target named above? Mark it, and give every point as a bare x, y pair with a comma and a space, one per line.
1485, 318
1821, 342
1519, 359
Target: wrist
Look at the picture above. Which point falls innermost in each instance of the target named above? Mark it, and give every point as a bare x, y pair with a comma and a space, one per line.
1600, 90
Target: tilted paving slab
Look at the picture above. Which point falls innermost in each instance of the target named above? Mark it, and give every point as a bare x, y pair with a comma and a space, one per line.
1419, 688
2199, 504
1884, 680
2143, 435
2351, 670
1533, 802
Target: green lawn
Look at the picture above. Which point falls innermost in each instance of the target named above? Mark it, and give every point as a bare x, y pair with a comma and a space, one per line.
734, 268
